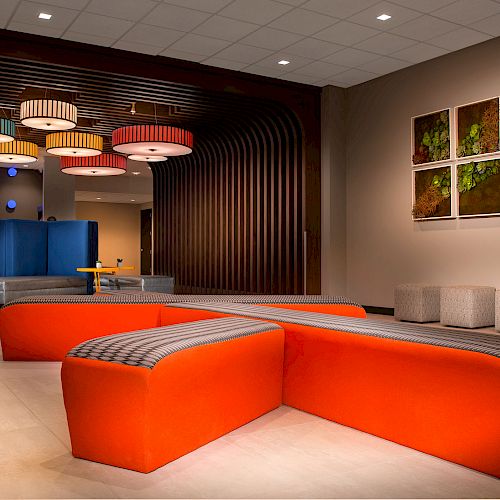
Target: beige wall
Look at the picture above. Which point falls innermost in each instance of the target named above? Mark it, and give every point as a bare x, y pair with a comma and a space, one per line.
384, 246
119, 231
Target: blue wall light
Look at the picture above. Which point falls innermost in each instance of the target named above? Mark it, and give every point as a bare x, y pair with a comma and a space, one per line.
11, 204
12, 172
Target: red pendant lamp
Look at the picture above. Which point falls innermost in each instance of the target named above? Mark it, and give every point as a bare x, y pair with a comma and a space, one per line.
105, 164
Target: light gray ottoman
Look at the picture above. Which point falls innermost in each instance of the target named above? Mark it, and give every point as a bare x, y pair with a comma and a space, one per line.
468, 306
417, 302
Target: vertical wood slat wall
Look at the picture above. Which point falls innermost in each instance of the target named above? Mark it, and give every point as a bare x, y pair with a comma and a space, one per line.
229, 217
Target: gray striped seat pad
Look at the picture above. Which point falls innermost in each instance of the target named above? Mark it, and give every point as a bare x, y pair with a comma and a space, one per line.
455, 339
145, 348
164, 298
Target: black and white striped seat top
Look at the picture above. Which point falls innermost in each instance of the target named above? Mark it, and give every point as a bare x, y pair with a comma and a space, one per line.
165, 298
145, 348
455, 339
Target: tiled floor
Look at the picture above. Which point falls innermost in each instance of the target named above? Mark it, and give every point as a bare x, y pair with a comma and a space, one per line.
285, 454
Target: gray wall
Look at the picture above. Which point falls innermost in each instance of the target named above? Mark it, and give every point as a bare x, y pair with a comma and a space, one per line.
384, 246
25, 188
58, 191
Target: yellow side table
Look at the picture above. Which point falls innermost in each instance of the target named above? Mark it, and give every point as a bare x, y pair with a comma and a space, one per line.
98, 270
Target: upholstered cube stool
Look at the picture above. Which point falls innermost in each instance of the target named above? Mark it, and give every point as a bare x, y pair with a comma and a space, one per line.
417, 302
468, 306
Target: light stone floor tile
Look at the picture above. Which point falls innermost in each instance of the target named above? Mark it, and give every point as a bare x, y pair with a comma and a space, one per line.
284, 454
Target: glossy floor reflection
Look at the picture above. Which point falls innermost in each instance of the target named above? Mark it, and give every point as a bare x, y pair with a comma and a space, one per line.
285, 454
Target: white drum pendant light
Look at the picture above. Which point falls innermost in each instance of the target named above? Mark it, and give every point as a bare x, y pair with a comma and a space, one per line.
48, 114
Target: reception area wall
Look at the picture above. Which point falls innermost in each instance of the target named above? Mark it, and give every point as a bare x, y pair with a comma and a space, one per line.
384, 246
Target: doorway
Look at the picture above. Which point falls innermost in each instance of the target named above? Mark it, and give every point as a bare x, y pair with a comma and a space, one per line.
146, 240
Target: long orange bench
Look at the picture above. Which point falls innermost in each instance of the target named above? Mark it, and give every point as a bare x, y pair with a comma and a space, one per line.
45, 328
431, 389
142, 399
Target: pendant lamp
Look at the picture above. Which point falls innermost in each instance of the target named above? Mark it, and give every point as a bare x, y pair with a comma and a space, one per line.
147, 158
152, 140
7, 130
48, 114
105, 164
74, 144
18, 152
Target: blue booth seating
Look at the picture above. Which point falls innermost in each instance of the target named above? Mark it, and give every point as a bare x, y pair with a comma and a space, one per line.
33, 251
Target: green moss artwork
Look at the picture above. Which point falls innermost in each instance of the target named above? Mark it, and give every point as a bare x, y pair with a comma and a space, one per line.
431, 137
432, 193
478, 128
478, 185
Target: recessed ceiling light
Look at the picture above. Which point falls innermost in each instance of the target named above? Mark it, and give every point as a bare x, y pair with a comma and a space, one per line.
98, 198
43, 15
283, 62
132, 200
384, 17
136, 173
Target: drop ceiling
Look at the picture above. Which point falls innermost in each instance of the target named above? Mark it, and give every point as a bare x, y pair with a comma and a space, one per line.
327, 42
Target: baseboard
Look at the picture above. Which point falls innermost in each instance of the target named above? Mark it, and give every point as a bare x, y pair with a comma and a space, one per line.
388, 311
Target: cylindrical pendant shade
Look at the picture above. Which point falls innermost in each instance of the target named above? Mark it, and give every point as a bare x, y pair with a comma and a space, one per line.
7, 130
74, 144
48, 114
147, 158
152, 140
18, 152
105, 164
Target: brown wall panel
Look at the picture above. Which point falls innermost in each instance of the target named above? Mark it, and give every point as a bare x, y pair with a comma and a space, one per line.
229, 217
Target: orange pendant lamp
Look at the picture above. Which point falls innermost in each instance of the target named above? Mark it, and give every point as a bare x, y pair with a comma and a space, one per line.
74, 144
97, 166
18, 152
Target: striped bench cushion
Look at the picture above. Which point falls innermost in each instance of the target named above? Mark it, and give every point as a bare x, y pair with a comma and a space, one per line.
145, 348
455, 339
164, 298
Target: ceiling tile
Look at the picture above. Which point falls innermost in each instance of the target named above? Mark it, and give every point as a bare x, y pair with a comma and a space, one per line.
385, 43
346, 33
399, 15
320, 69
294, 61
423, 5
6, 11
244, 53
152, 35
104, 41
203, 5
384, 65
313, 48
123, 9
419, 53
424, 27
354, 77
185, 56
256, 11
459, 39
295, 77
468, 11
338, 8
490, 25
35, 29
68, 4
223, 63
27, 13
269, 38
177, 18
225, 28
93, 24
259, 70
142, 48
197, 44
351, 57
303, 22
296, 3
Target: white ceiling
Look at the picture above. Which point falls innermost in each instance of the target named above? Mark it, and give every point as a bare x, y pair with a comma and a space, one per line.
337, 42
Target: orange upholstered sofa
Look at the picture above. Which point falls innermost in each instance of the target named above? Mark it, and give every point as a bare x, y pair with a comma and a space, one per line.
45, 328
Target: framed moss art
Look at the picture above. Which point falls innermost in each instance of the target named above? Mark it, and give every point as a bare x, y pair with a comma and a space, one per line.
432, 193
478, 185
477, 128
431, 137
